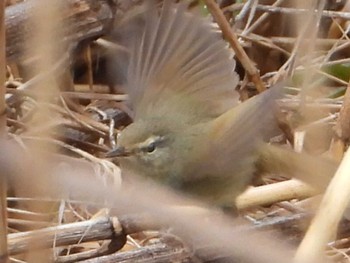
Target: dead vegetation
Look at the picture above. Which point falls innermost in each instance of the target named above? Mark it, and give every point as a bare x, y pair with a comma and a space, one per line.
65, 201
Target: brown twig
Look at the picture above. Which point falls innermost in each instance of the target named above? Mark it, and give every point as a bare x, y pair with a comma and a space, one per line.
92, 230
161, 252
263, 41
252, 71
96, 229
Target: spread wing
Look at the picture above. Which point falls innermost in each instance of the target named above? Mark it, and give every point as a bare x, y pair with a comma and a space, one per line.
175, 53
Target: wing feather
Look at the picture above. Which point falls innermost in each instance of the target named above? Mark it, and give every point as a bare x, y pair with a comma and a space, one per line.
239, 132
177, 52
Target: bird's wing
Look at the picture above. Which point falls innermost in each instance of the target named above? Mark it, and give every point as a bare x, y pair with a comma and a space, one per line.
237, 134
177, 52
222, 162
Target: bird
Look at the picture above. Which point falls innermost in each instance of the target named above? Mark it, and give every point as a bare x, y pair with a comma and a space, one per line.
189, 131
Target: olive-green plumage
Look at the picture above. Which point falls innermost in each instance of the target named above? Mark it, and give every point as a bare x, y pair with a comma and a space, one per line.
189, 130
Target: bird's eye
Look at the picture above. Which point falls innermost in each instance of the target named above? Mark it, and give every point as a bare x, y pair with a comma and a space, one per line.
151, 147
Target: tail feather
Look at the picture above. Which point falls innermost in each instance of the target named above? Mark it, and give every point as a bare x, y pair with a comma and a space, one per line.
314, 170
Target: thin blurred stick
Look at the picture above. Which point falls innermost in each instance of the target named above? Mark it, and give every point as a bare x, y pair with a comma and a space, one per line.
324, 42
47, 44
56, 69
305, 42
3, 65
324, 226
3, 183
88, 184
225, 27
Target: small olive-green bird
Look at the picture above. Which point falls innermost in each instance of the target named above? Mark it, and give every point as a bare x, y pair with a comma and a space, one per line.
189, 131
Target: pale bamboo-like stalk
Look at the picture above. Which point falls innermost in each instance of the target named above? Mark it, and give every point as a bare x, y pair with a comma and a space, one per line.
324, 225
273, 193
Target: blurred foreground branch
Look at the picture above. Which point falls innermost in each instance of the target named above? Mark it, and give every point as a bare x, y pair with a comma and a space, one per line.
3, 183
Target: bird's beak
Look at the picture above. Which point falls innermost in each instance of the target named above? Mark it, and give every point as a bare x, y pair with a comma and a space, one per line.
118, 152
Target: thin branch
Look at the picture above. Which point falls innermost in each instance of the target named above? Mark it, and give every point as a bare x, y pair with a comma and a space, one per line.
261, 19
252, 71
291, 11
